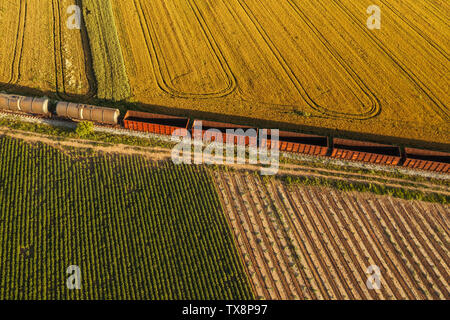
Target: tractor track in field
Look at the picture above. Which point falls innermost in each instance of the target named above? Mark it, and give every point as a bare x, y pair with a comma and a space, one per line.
280, 219
365, 232
237, 243
435, 235
100, 31
439, 107
359, 245
332, 239
244, 237
439, 220
405, 246
60, 68
375, 108
260, 226
431, 4
155, 51
214, 48
378, 179
18, 46
58, 58
416, 29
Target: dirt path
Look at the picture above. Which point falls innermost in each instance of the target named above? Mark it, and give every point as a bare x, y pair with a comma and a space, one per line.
159, 153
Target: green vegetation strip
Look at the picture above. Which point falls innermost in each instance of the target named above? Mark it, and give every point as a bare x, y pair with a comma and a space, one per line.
321, 163
108, 63
63, 132
136, 229
380, 189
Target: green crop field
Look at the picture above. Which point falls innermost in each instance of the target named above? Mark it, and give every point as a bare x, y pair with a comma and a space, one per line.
137, 229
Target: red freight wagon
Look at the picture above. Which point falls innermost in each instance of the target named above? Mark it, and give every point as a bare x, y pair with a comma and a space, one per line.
298, 143
427, 160
366, 152
241, 138
154, 123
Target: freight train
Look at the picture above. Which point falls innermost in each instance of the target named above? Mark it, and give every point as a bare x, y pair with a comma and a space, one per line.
293, 142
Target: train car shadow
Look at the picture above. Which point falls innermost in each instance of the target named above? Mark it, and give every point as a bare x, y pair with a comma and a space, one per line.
124, 106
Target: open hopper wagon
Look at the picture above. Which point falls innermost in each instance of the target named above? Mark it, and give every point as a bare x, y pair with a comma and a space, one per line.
24, 104
297, 143
242, 135
427, 160
366, 152
87, 112
154, 123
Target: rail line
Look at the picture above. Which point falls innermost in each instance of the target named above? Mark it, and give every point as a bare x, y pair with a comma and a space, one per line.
156, 55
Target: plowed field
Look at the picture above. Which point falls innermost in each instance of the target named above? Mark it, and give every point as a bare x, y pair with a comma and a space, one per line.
38, 51
310, 243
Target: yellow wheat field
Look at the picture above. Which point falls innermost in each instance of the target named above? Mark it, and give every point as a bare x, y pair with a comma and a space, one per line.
311, 243
281, 60
294, 64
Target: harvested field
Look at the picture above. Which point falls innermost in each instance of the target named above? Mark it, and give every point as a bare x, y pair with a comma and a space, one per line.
311, 243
